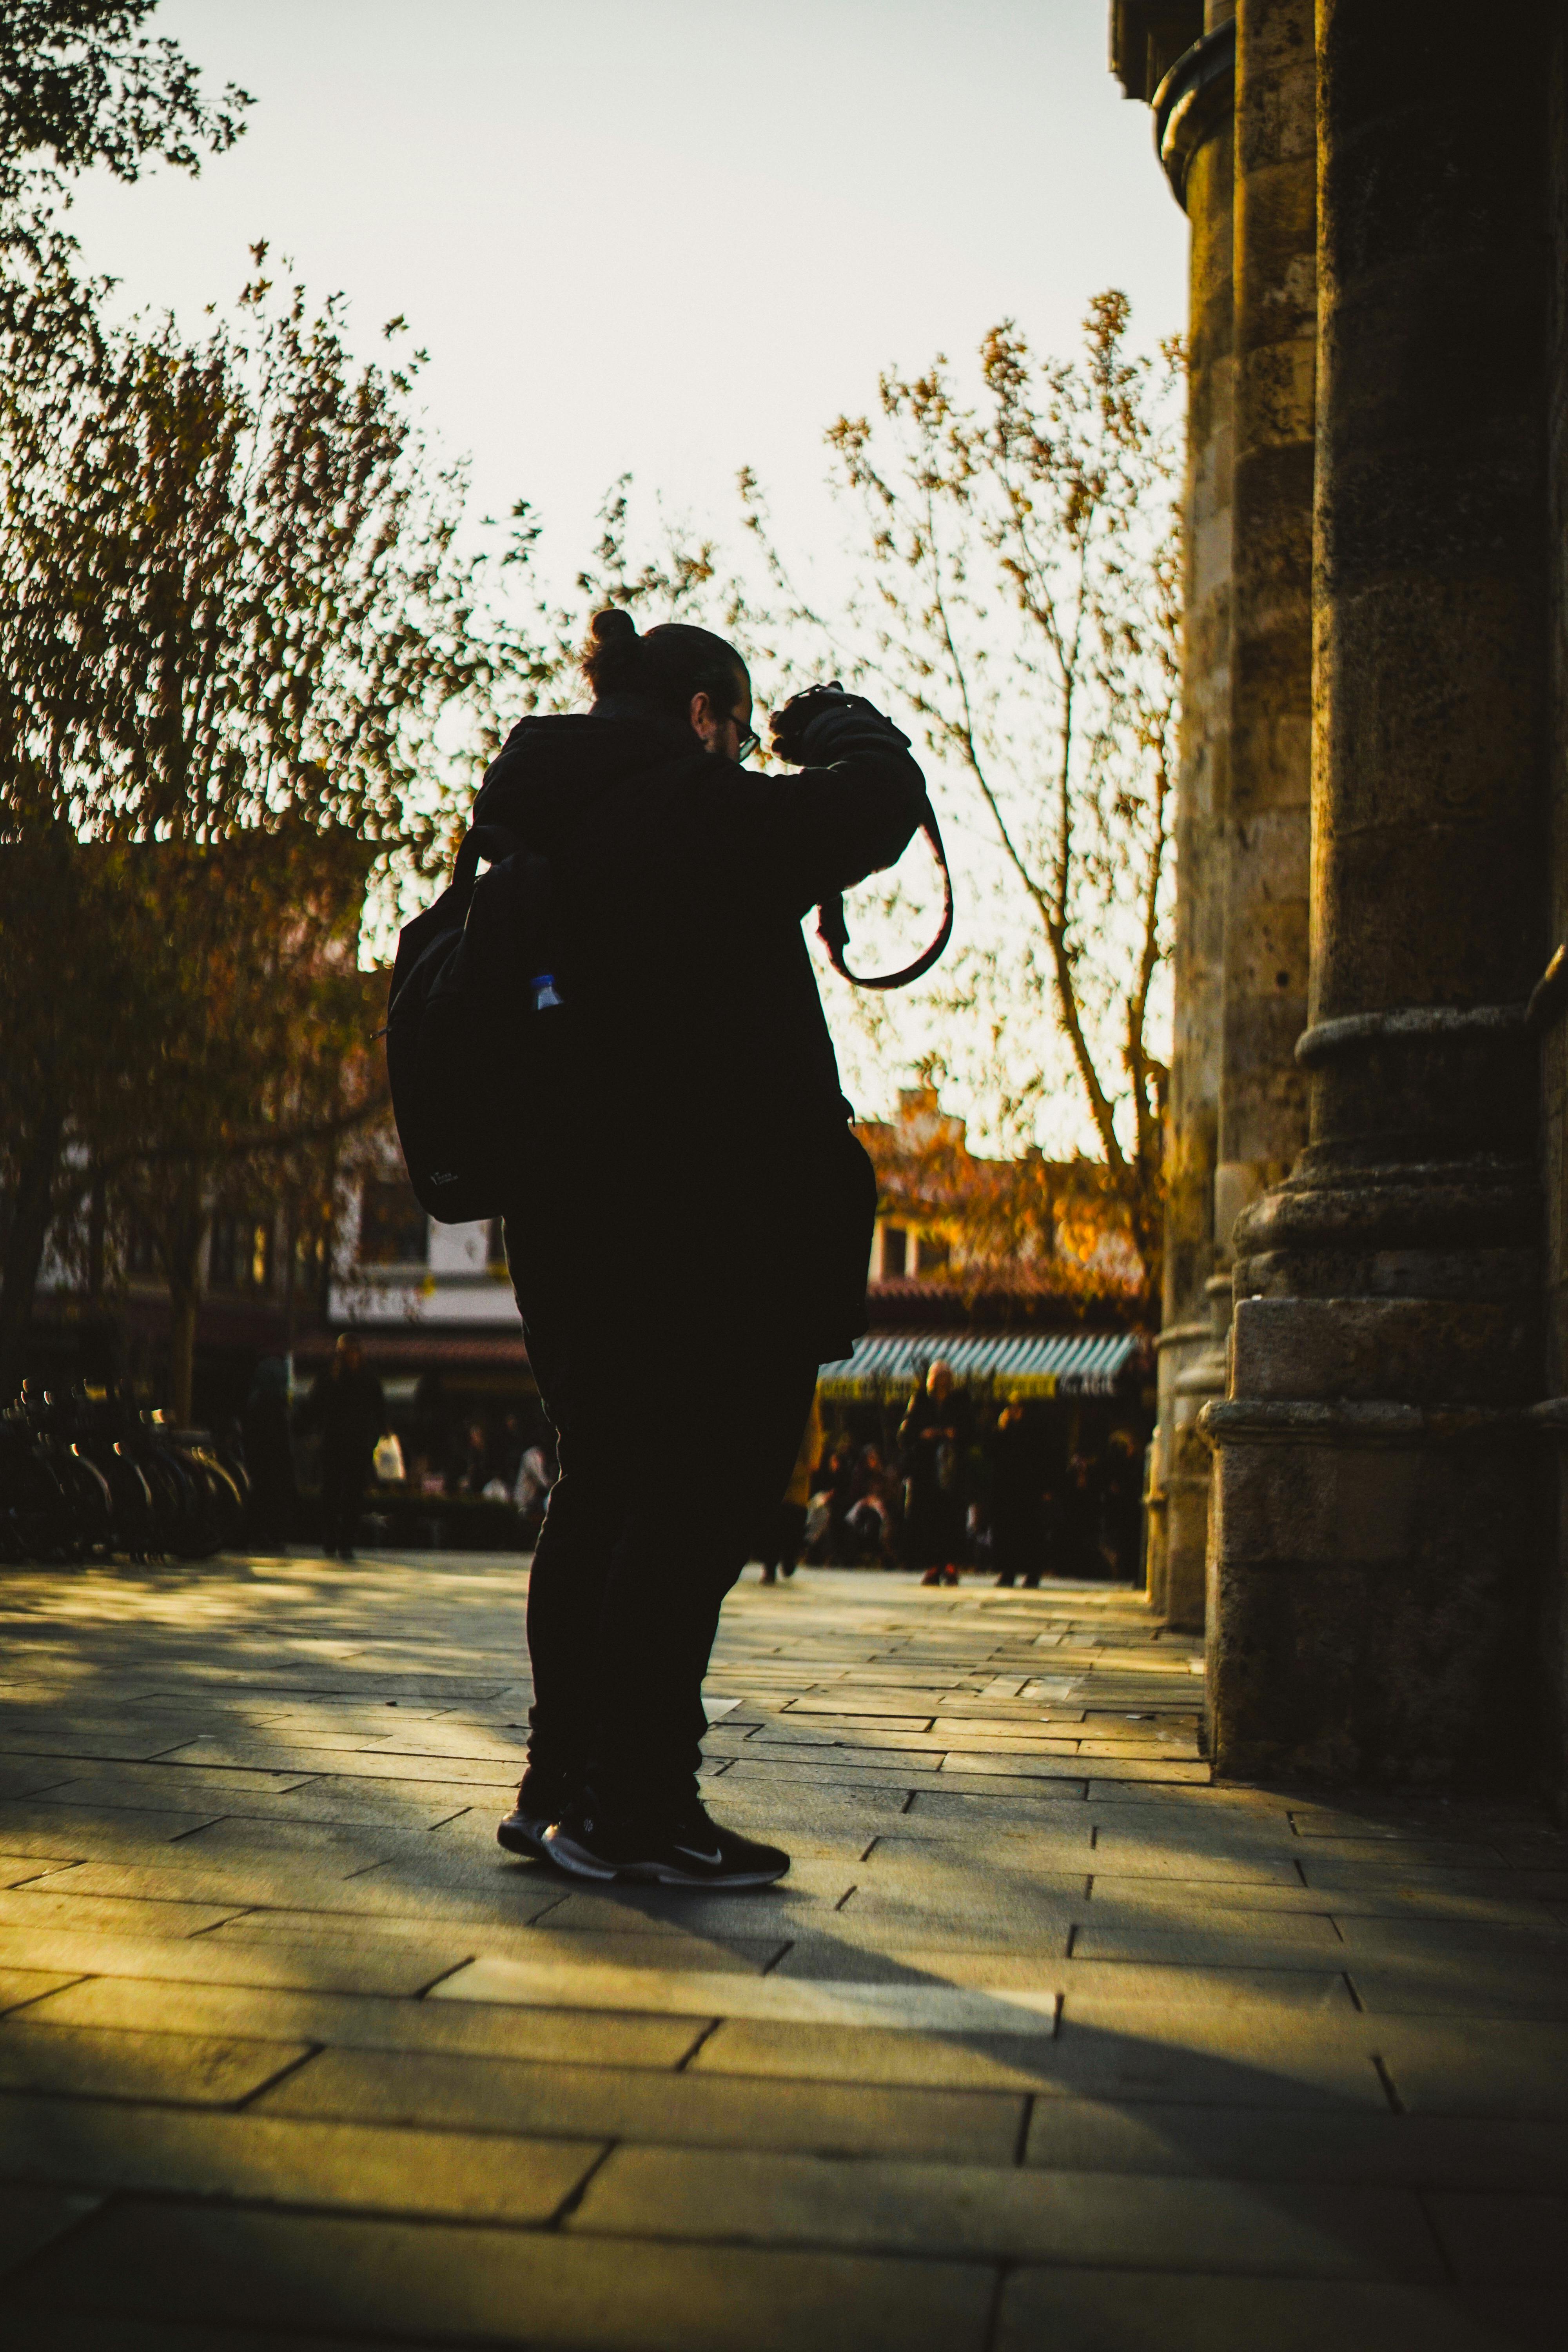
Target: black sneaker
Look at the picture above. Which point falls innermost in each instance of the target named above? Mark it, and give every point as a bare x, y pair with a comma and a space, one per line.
683, 1849
540, 1800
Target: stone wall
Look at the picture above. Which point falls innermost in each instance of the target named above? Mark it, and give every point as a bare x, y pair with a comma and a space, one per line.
1554, 1054
1194, 122
1386, 1533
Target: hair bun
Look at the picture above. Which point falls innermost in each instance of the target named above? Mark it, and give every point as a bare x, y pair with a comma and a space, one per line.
615, 627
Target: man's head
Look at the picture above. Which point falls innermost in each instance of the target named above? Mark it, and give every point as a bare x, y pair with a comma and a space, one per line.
938, 1380
347, 1356
688, 674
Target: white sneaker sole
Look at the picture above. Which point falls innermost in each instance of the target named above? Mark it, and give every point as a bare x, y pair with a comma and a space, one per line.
575, 1859
523, 1837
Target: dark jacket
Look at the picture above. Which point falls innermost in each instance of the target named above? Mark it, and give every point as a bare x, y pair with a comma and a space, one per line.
348, 1409
935, 1438
702, 1162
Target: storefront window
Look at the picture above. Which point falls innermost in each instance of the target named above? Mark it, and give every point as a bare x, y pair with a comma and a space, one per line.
239, 1254
394, 1229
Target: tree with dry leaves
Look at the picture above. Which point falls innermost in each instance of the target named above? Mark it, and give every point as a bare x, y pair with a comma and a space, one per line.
1019, 593
233, 622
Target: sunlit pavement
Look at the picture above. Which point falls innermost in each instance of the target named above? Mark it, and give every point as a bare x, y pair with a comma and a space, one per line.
1043, 2042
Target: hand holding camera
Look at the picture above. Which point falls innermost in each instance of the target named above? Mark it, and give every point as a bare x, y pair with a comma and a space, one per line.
824, 723
816, 727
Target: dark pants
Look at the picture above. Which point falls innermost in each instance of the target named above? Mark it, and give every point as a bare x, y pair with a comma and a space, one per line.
782, 1538
644, 1533
1016, 1545
344, 1474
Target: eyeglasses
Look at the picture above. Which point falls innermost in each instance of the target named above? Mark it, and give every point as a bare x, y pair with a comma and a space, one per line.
748, 742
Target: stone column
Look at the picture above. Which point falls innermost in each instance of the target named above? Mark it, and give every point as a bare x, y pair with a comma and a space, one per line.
1375, 1533
1263, 1090
1554, 1057
1193, 129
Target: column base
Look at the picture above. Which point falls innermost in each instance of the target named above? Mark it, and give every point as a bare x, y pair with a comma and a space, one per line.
1373, 1575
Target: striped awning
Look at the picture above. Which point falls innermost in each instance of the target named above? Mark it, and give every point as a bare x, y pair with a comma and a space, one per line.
1007, 1364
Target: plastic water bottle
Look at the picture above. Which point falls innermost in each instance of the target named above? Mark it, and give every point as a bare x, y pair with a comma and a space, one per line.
542, 989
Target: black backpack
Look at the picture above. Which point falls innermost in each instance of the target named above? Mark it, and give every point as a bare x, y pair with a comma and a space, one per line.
475, 1028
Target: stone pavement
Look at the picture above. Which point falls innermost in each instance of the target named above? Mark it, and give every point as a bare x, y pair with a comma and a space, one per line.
1044, 2042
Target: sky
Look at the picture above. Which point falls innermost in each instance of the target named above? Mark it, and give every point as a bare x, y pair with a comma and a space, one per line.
672, 236
665, 236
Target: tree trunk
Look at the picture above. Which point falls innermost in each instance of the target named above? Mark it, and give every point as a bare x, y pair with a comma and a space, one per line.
31, 1209
187, 1233
290, 1278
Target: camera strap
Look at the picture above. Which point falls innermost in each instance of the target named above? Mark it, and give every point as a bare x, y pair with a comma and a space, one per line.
832, 929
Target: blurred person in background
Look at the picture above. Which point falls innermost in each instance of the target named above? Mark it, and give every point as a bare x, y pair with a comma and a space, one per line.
348, 1410
934, 1444
468, 1465
832, 1492
1017, 1549
1079, 1520
871, 1522
783, 1540
1122, 1505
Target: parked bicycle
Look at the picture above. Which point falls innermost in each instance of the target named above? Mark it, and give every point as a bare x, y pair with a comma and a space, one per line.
88, 1474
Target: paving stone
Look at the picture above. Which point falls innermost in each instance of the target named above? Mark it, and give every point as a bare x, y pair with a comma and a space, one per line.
92, 1829
200, 2069
16, 1869
1110, 2311
285, 2271
941, 1810
863, 2054
1476, 1985
324, 1963
505, 2094
942, 2208
287, 1883
335, 1849
1125, 1862
262, 2159
1105, 1768
27, 1779
799, 1902
1112, 1991
175, 1782
1484, 2067
779, 1774
907, 1999
1503, 2239
1272, 1938
136, 1741
625, 1947
258, 1755
50, 1903
31, 2218
20, 1986
1261, 2143
1232, 2058
388, 1910
821, 2071
356, 2022
1041, 1922
1461, 1942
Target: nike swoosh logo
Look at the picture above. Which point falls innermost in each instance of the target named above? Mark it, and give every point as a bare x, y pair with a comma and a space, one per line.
691, 1851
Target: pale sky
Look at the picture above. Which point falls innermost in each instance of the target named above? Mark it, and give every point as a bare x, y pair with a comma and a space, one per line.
668, 236
665, 234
